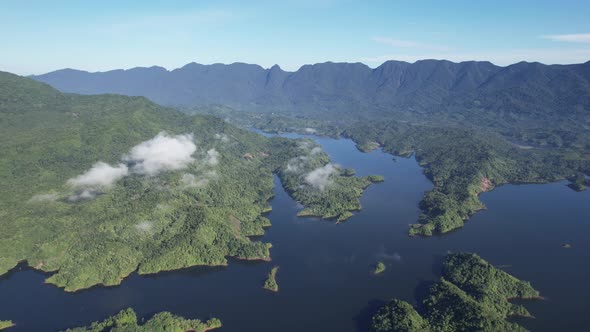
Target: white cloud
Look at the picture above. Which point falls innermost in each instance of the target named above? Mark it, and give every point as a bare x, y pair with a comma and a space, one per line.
144, 226
193, 181
43, 198
162, 153
222, 137
84, 194
295, 165
320, 177
310, 130
212, 158
100, 176
304, 145
315, 150
570, 38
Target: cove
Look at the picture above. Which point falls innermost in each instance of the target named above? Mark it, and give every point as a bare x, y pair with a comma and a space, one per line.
325, 275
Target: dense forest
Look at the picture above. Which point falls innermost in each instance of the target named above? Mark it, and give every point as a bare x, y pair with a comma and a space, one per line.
471, 295
462, 163
94, 188
271, 280
127, 321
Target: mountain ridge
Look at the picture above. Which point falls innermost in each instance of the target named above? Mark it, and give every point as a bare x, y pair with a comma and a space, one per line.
394, 86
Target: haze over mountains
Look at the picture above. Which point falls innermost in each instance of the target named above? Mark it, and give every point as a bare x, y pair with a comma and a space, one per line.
423, 86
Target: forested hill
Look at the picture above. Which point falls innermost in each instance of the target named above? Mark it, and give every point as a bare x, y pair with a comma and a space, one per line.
423, 86
94, 188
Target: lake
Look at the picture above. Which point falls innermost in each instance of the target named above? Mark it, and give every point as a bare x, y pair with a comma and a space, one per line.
325, 275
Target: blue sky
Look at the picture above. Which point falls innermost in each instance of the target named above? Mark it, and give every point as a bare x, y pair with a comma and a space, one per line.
40, 36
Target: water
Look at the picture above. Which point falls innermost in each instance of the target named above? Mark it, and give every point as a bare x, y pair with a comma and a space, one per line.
324, 277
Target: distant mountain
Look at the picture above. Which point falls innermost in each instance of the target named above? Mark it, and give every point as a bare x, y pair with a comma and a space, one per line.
522, 89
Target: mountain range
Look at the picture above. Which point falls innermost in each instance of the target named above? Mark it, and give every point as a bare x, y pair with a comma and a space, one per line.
423, 86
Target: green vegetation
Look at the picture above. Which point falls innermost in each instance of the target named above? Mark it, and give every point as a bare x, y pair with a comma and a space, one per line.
348, 172
465, 149
324, 189
471, 295
375, 178
4, 324
271, 280
461, 159
398, 316
126, 321
194, 213
379, 268
462, 163
579, 182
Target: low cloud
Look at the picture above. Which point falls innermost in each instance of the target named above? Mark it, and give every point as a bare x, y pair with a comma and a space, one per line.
320, 177
100, 176
304, 145
310, 130
162, 153
295, 165
151, 157
212, 158
43, 198
222, 137
144, 226
201, 181
315, 150
383, 254
570, 38
394, 257
83, 195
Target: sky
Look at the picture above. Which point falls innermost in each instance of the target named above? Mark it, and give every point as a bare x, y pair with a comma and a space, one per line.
42, 36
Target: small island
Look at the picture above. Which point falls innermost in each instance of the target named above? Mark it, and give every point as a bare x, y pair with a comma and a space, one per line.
271, 282
348, 172
126, 320
566, 246
375, 178
4, 324
471, 295
323, 188
379, 268
579, 182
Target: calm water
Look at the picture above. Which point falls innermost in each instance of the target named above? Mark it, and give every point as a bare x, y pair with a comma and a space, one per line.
324, 278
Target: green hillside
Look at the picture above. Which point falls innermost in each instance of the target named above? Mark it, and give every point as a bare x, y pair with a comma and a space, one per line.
94, 188
471, 295
127, 321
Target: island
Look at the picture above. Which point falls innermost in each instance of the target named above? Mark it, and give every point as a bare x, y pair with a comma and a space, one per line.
376, 178
4, 324
271, 280
379, 268
471, 295
579, 182
127, 321
325, 189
